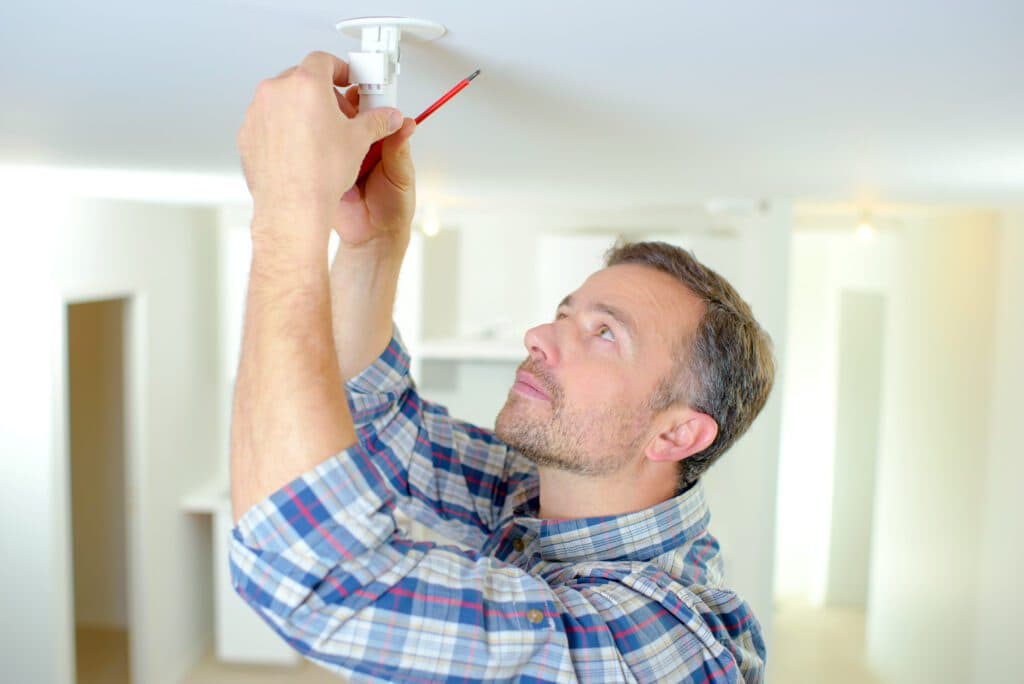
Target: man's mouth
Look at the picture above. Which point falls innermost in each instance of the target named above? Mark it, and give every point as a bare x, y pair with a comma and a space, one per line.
530, 386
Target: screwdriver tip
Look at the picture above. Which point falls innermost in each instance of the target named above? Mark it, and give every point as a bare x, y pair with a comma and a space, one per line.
473, 75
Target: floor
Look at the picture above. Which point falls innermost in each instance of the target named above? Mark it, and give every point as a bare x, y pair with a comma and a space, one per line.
811, 646
101, 655
210, 671
815, 645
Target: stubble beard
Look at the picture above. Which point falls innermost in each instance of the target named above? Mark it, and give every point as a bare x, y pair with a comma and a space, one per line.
590, 444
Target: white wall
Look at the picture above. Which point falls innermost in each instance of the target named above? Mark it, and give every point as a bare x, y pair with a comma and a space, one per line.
944, 593
234, 253
823, 264
497, 259
1000, 591
35, 595
741, 486
805, 454
936, 398
858, 411
163, 257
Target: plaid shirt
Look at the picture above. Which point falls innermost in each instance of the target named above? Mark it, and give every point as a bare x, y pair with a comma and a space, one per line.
634, 597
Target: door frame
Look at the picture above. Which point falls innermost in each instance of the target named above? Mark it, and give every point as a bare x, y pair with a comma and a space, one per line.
134, 383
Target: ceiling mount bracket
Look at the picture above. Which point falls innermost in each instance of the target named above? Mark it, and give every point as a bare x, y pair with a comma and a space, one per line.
376, 66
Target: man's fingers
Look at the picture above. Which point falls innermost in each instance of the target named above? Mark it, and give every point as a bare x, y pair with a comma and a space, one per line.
286, 72
345, 105
403, 134
352, 95
396, 157
327, 64
348, 101
377, 124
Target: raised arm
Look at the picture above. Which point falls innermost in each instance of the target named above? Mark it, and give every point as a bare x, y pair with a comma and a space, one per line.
299, 153
439, 467
373, 224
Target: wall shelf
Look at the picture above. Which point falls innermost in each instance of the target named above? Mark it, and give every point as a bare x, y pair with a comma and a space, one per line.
455, 349
209, 497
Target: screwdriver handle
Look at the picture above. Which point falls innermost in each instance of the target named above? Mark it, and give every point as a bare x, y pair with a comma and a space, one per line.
373, 156
369, 161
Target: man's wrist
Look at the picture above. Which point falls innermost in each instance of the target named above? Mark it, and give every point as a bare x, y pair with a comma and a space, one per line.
385, 247
293, 240
372, 262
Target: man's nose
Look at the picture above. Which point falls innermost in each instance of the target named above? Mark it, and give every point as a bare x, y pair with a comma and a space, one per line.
542, 345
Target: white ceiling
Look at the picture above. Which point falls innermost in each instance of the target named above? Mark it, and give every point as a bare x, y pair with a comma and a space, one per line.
580, 104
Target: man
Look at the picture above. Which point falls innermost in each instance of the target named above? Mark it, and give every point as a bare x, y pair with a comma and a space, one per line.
590, 556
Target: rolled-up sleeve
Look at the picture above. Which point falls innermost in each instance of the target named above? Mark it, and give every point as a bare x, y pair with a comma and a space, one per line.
373, 394
320, 561
445, 471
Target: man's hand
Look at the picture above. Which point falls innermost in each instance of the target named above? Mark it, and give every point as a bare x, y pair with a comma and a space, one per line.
373, 222
382, 205
301, 153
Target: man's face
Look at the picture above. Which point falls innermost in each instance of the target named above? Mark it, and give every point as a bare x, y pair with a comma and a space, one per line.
581, 400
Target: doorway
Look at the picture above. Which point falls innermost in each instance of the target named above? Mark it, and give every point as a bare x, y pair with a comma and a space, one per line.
98, 466
858, 402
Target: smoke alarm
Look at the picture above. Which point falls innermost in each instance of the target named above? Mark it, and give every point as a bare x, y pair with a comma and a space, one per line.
376, 66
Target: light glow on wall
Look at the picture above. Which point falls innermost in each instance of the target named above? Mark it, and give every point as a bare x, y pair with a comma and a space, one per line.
865, 231
431, 225
127, 184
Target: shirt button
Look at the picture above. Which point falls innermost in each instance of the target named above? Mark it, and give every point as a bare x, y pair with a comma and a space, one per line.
534, 616
518, 544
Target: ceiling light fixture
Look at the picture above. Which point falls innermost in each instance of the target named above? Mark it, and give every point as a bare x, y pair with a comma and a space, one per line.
431, 225
865, 229
375, 68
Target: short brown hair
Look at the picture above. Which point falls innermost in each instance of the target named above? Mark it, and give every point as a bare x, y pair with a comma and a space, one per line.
724, 368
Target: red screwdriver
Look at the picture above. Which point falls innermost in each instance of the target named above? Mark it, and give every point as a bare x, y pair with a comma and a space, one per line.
373, 156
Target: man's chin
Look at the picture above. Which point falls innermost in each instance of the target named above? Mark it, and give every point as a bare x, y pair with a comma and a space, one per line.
511, 424
501, 423
513, 405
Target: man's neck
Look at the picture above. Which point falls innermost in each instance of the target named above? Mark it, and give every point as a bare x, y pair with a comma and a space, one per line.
570, 496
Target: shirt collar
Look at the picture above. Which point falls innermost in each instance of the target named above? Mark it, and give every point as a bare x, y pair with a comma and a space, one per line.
638, 536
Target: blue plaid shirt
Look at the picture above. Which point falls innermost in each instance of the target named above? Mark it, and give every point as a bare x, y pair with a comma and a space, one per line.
627, 598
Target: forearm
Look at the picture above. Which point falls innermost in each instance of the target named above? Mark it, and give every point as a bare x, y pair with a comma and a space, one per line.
289, 411
327, 580
364, 282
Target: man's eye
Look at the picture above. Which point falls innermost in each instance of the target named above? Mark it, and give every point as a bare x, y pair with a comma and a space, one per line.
606, 333
559, 316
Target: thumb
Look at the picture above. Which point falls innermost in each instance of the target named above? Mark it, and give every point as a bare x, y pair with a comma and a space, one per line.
378, 123
396, 157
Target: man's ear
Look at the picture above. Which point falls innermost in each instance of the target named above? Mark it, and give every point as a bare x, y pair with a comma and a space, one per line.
685, 434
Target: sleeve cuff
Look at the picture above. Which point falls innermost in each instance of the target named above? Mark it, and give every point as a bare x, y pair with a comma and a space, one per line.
329, 511
389, 373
